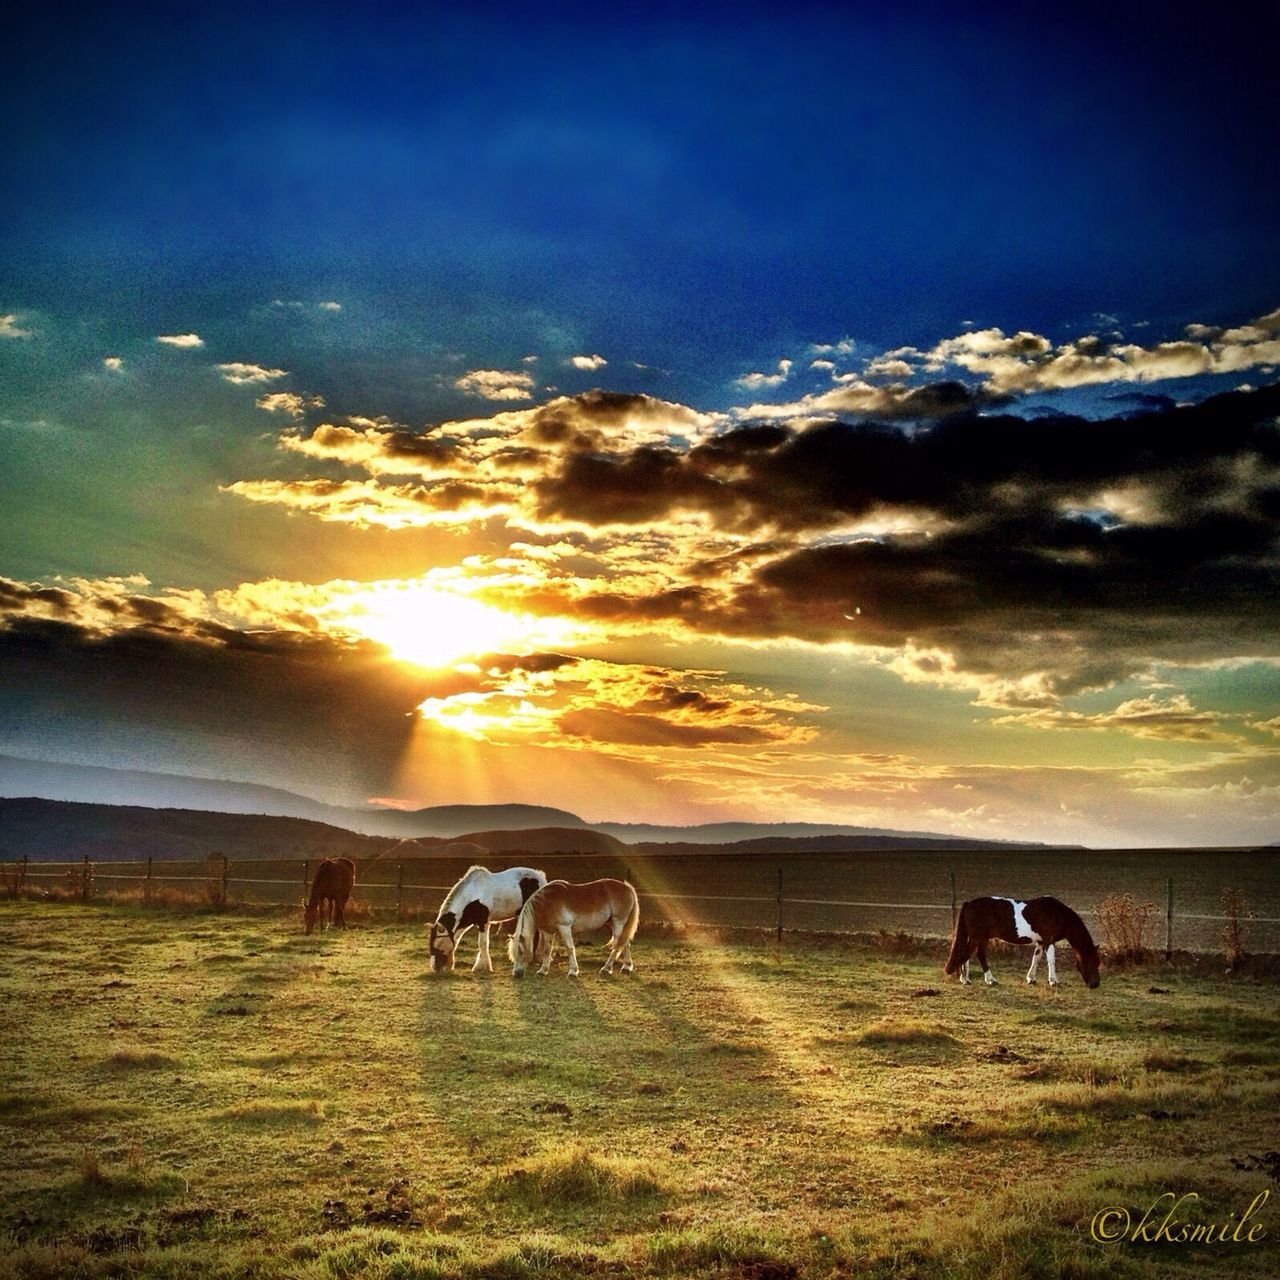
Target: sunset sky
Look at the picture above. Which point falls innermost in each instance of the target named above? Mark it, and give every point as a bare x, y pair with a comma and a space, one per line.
780, 414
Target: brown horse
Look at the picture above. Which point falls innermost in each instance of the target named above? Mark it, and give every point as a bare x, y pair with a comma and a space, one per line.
330, 889
559, 907
1040, 922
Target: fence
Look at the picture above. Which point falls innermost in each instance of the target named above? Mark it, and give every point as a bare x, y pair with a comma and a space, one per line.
912, 891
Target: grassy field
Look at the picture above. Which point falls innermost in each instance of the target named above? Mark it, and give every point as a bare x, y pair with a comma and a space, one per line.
209, 1095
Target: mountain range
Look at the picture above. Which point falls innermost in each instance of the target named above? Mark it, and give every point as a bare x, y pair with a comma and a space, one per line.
53, 810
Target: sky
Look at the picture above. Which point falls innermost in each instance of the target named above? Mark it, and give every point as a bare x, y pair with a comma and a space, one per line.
774, 413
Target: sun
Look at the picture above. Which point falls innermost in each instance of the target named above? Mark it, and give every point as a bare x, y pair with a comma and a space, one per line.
431, 626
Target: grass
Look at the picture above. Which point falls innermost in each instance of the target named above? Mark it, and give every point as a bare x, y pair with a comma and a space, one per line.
221, 1097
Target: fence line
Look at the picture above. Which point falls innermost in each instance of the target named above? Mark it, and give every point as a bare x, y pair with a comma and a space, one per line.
221, 875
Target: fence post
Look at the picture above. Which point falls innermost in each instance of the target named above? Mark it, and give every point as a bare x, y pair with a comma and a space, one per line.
400, 891
1168, 921
22, 876
779, 904
146, 888
84, 880
226, 877
953, 901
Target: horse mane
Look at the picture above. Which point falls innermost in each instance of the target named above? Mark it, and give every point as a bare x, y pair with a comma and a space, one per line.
449, 897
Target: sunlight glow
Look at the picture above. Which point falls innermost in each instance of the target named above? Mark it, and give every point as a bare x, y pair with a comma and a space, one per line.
432, 626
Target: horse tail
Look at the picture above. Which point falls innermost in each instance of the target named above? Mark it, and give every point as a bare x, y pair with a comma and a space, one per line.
959, 945
633, 918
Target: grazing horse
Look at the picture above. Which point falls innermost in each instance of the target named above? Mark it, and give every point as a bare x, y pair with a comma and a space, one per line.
559, 907
330, 889
481, 898
1041, 922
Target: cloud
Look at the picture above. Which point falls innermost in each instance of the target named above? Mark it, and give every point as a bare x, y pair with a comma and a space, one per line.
1021, 560
185, 340
246, 374
1025, 362
754, 381
288, 402
10, 328
306, 306
497, 384
588, 364
1172, 719
114, 363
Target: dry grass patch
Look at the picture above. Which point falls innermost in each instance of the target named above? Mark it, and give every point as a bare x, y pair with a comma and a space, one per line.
265, 1112
906, 1032
576, 1176
138, 1060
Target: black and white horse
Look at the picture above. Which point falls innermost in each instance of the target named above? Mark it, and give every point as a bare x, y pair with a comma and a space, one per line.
1038, 922
479, 899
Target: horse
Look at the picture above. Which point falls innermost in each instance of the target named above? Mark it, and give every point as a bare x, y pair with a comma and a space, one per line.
557, 908
482, 897
330, 889
1039, 921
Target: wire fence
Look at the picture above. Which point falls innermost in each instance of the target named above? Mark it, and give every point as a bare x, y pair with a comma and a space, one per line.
1178, 895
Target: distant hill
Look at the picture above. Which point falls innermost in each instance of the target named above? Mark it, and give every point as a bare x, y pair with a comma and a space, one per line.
53, 829
549, 840
87, 784
733, 832
827, 844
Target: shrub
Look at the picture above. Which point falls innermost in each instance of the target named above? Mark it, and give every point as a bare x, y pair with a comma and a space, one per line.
1124, 925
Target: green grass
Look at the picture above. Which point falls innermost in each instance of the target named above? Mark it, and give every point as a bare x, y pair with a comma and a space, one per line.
221, 1097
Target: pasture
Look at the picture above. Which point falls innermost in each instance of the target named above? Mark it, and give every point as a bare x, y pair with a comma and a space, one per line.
218, 1095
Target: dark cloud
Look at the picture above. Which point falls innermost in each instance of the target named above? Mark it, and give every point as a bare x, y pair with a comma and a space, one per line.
639, 730
771, 477
198, 695
1026, 568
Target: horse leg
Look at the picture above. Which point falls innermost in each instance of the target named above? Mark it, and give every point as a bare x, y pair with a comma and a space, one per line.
964, 974
549, 942
483, 963
566, 936
1053, 967
627, 965
615, 951
987, 976
1035, 963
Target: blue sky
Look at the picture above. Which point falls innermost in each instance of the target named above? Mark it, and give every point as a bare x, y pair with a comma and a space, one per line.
392, 218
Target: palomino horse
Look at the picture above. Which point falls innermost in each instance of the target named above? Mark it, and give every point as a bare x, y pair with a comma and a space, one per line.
1040, 921
480, 898
560, 907
330, 889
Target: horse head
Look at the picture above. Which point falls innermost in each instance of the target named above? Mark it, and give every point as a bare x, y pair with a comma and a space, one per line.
1087, 961
310, 910
441, 943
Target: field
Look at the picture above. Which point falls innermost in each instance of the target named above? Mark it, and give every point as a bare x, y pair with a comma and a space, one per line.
217, 1095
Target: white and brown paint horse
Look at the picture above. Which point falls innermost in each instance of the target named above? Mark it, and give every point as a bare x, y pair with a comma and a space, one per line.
481, 898
560, 907
1038, 922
